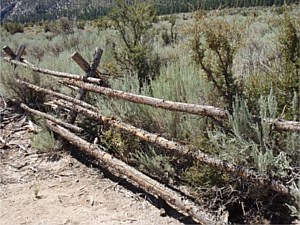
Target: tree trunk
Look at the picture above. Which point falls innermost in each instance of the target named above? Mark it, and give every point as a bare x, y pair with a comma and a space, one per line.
34, 68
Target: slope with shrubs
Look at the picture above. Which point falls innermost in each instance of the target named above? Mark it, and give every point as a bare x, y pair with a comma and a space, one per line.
245, 61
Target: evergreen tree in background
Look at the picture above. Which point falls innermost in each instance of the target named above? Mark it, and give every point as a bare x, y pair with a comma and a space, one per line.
83, 9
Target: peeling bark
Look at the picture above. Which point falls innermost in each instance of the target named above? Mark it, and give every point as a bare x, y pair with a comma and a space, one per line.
211, 111
187, 151
150, 185
51, 118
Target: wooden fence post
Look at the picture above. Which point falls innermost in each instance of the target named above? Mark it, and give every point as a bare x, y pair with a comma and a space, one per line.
9, 52
20, 53
14, 56
84, 65
90, 72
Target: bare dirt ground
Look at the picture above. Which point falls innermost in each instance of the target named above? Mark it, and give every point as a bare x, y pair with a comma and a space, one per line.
35, 189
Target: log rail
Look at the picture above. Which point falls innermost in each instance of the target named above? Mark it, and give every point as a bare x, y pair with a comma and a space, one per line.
92, 84
77, 105
183, 150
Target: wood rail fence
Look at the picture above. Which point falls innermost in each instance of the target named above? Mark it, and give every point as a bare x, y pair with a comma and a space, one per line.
94, 81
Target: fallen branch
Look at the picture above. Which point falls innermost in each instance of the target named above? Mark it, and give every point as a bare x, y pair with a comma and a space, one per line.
90, 111
148, 184
156, 102
219, 114
34, 68
53, 119
186, 151
175, 106
56, 94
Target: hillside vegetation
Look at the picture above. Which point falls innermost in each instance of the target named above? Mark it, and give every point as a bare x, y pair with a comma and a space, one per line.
245, 61
39, 10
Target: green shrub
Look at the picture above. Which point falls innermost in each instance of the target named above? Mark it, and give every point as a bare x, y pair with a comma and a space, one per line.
288, 93
44, 141
170, 37
134, 51
23, 93
121, 145
214, 45
155, 164
63, 25
202, 175
80, 25
13, 27
258, 144
275, 64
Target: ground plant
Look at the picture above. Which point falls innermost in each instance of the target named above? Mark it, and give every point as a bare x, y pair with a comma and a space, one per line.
243, 60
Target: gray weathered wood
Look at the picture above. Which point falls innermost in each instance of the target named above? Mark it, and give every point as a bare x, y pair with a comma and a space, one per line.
211, 111
186, 151
90, 73
84, 65
150, 185
93, 112
34, 68
20, 52
9, 52
55, 94
51, 118
156, 102
71, 118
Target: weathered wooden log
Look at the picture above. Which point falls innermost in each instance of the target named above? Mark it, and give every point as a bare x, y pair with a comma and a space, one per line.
51, 118
89, 73
175, 106
158, 103
186, 151
148, 184
34, 68
84, 65
20, 52
281, 125
91, 111
56, 94
9, 52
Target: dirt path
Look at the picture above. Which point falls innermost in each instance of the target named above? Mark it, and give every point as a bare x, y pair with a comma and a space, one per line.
36, 190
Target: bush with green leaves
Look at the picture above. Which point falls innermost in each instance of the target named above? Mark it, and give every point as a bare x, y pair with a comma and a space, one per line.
214, 45
133, 49
120, 144
272, 62
170, 37
22, 93
156, 164
288, 84
258, 62
63, 25
257, 142
13, 27
43, 141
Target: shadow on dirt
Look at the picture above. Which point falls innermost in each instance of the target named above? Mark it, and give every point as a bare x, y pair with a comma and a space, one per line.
159, 203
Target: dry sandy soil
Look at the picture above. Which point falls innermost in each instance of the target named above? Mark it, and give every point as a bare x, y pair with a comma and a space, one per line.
37, 190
